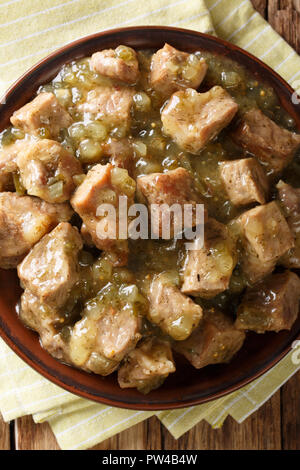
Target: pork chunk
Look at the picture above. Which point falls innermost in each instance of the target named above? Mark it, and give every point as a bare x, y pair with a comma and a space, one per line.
270, 305
265, 237
42, 116
193, 119
104, 184
8, 164
172, 70
173, 187
104, 336
208, 269
289, 198
245, 181
44, 319
24, 220
271, 144
47, 170
112, 106
215, 341
175, 313
267, 231
51, 268
120, 64
252, 267
147, 366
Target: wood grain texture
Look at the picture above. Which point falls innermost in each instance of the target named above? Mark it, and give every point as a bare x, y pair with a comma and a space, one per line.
4, 435
296, 4
261, 6
275, 426
30, 436
283, 16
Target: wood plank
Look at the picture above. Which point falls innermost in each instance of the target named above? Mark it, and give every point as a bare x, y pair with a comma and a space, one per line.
285, 19
4, 435
290, 414
261, 6
296, 4
31, 436
250, 435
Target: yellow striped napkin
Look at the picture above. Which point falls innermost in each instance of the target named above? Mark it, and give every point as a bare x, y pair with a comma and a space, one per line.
29, 30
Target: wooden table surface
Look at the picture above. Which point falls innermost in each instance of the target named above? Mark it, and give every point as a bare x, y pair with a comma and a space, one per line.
275, 426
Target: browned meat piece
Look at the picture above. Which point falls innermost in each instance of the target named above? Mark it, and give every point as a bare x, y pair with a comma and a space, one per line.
265, 237
44, 319
215, 341
120, 64
104, 184
289, 198
193, 119
175, 313
147, 366
42, 116
112, 106
51, 268
8, 164
104, 336
252, 266
120, 153
172, 70
173, 187
271, 144
271, 305
47, 170
245, 181
24, 220
208, 270
267, 231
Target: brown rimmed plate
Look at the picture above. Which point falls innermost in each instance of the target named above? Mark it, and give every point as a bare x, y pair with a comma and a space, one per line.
187, 386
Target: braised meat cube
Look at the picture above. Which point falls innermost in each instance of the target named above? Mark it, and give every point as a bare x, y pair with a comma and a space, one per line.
120, 63
106, 333
270, 305
215, 341
208, 269
47, 170
51, 268
166, 189
265, 237
175, 313
172, 70
147, 366
43, 116
289, 198
267, 231
104, 184
245, 181
24, 220
193, 119
252, 266
112, 106
271, 144
8, 164
44, 319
